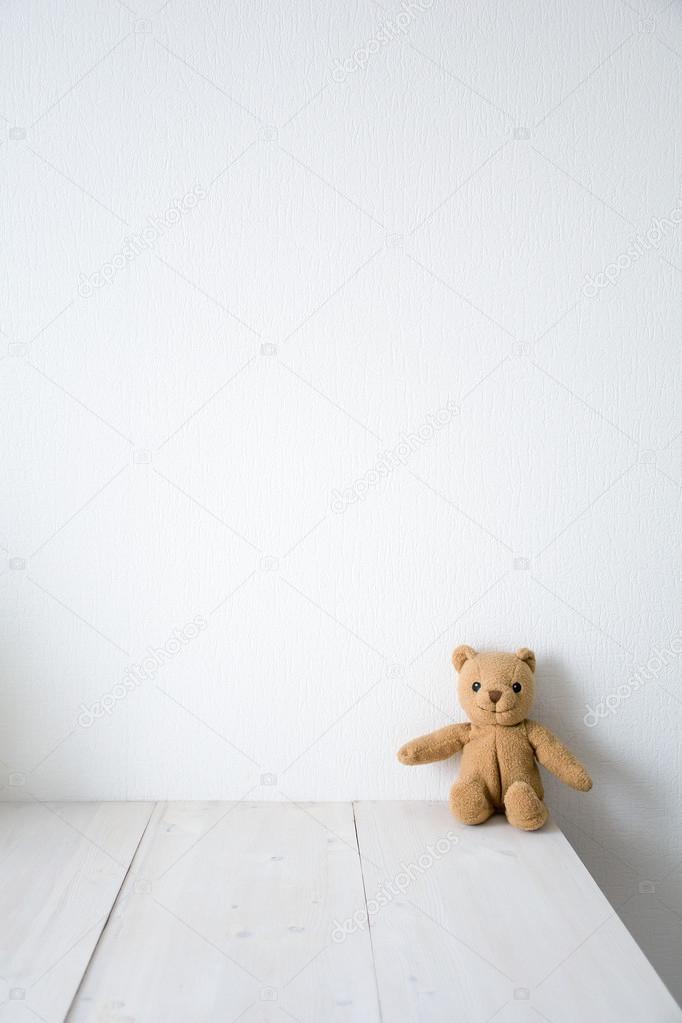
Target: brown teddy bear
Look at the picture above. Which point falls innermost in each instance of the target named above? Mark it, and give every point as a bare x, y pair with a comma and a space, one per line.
500, 745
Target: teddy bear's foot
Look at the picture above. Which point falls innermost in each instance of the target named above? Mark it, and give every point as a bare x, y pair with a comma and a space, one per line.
469, 802
523, 807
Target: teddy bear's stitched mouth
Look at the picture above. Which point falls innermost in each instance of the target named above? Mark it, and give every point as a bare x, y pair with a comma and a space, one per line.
495, 709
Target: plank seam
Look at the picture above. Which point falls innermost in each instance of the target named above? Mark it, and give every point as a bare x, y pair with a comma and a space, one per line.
111, 910
369, 922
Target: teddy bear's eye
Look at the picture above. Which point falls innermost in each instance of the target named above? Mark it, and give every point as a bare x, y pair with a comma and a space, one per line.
517, 687
476, 686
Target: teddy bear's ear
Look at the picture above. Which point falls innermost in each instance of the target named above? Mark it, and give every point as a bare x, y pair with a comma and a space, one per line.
461, 654
524, 654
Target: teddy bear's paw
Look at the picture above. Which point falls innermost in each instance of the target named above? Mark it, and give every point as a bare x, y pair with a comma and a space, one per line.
410, 753
469, 802
523, 807
583, 782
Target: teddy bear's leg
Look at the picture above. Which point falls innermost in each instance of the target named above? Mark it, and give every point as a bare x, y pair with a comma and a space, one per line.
523, 807
469, 802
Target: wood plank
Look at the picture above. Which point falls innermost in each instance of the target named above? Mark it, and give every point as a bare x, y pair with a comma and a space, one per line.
491, 923
229, 911
61, 867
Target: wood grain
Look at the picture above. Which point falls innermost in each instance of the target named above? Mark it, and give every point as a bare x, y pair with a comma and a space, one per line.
229, 912
500, 925
61, 867
319, 911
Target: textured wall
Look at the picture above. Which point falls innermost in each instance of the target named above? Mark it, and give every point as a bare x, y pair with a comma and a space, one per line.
332, 336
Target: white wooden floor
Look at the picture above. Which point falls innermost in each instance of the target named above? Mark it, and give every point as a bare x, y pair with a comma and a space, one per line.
136, 913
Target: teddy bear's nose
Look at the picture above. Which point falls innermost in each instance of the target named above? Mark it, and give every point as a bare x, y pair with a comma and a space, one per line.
494, 695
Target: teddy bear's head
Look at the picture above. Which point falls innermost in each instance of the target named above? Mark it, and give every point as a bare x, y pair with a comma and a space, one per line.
495, 689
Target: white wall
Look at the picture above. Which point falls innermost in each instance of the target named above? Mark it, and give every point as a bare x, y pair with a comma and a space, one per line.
378, 230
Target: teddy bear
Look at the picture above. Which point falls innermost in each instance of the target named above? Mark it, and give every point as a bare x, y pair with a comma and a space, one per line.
500, 744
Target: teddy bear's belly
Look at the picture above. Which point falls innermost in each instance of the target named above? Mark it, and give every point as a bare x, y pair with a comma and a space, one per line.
499, 756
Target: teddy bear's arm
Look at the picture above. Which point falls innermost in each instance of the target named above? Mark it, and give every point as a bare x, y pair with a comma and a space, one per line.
437, 745
553, 755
